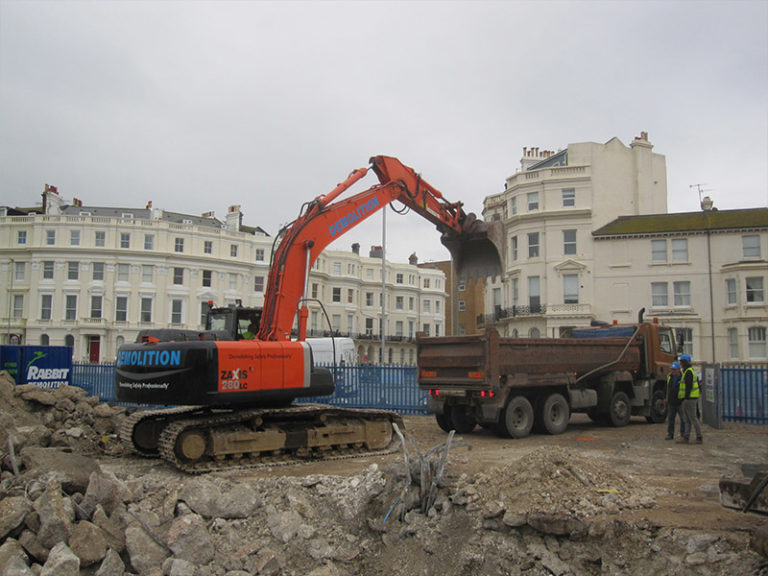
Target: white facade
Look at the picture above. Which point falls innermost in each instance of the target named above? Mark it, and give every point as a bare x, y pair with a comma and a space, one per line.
92, 277
549, 210
702, 273
350, 287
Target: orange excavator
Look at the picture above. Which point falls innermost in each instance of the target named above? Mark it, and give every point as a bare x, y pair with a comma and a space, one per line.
233, 399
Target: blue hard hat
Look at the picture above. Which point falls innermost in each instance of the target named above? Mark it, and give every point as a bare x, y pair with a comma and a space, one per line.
675, 366
685, 358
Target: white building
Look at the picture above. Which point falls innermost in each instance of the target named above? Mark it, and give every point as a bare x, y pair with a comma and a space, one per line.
703, 273
92, 277
549, 210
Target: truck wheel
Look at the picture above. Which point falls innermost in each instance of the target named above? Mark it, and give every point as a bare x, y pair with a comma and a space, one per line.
463, 421
518, 417
555, 414
620, 410
658, 408
444, 421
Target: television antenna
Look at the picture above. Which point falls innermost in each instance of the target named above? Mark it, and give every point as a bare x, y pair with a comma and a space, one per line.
700, 188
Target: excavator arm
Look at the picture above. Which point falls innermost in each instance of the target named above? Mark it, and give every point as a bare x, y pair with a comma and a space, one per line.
474, 245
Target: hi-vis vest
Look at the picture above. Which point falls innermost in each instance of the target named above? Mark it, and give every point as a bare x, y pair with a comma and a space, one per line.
694, 386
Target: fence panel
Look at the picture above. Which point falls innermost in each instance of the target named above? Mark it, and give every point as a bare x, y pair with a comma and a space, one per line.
385, 387
745, 393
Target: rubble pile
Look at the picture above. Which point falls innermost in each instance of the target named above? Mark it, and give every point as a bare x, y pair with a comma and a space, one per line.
68, 511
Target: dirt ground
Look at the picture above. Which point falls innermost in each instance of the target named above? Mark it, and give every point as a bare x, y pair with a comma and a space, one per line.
686, 475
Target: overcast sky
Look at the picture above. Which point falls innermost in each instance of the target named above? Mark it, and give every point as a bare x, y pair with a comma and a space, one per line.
200, 105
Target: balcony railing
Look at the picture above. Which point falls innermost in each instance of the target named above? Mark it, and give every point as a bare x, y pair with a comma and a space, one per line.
502, 314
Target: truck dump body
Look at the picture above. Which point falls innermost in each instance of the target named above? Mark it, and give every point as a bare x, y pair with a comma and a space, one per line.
480, 359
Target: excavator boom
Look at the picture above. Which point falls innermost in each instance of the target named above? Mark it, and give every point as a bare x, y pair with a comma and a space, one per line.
474, 245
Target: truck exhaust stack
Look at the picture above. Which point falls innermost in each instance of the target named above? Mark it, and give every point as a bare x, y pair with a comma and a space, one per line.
478, 251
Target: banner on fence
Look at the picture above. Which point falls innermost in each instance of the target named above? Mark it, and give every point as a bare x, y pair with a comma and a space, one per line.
44, 366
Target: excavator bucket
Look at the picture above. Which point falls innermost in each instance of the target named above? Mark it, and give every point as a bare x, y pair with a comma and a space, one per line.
477, 252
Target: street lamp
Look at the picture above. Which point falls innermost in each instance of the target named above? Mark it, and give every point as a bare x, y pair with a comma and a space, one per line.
11, 272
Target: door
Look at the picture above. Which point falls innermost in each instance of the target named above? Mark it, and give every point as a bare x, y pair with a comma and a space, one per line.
94, 346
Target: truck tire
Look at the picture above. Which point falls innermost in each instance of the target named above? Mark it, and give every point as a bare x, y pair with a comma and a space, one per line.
444, 420
517, 418
462, 419
620, 410
555, 414
658, 408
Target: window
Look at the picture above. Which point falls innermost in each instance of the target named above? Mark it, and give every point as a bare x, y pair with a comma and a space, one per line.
569, 242
533, 201
462, 305
178, 245
233, 250
399, 302
411, 302
125, 240
258, 284
259, 254
149, 241
315, 288
755, 290
399, 326
682, 293
48, 270
20, 270
50, 237
336, 295
123, 271
232, 281
146, 309
534, 294
21, 237
534, 333
533, 245
336, 269
18, 305
437, 306
426, 282
427, 306
208, 247
513, 248
461, 286
750, 246
74, 237
398, 278
369, 326
350, 295
658, 250
515, 291
207, 274
73, 270
513, 206
178, 276
369, 298
121, 309
336, 322
203, 312
177, 306
96, 306
659, 295
570, 288
756, 337
46, 304
147, 273
569, 197
98, 271
731, 294
425, 329
680, 250
733, 344
70, 307
101, 239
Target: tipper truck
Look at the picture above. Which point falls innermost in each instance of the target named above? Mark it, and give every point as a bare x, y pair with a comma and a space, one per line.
515, 385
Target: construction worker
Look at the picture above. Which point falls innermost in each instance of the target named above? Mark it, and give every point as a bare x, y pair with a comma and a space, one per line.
250, 333
673, 401
689, 394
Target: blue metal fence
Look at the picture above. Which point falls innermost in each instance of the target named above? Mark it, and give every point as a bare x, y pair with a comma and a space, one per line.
744, 390
386, 387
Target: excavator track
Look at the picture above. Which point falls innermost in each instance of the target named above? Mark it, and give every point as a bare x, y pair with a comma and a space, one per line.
199, 440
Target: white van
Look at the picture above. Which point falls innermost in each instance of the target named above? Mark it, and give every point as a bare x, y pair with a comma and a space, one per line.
323, 348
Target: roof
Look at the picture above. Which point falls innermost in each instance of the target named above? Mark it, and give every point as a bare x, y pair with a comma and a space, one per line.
686, 222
